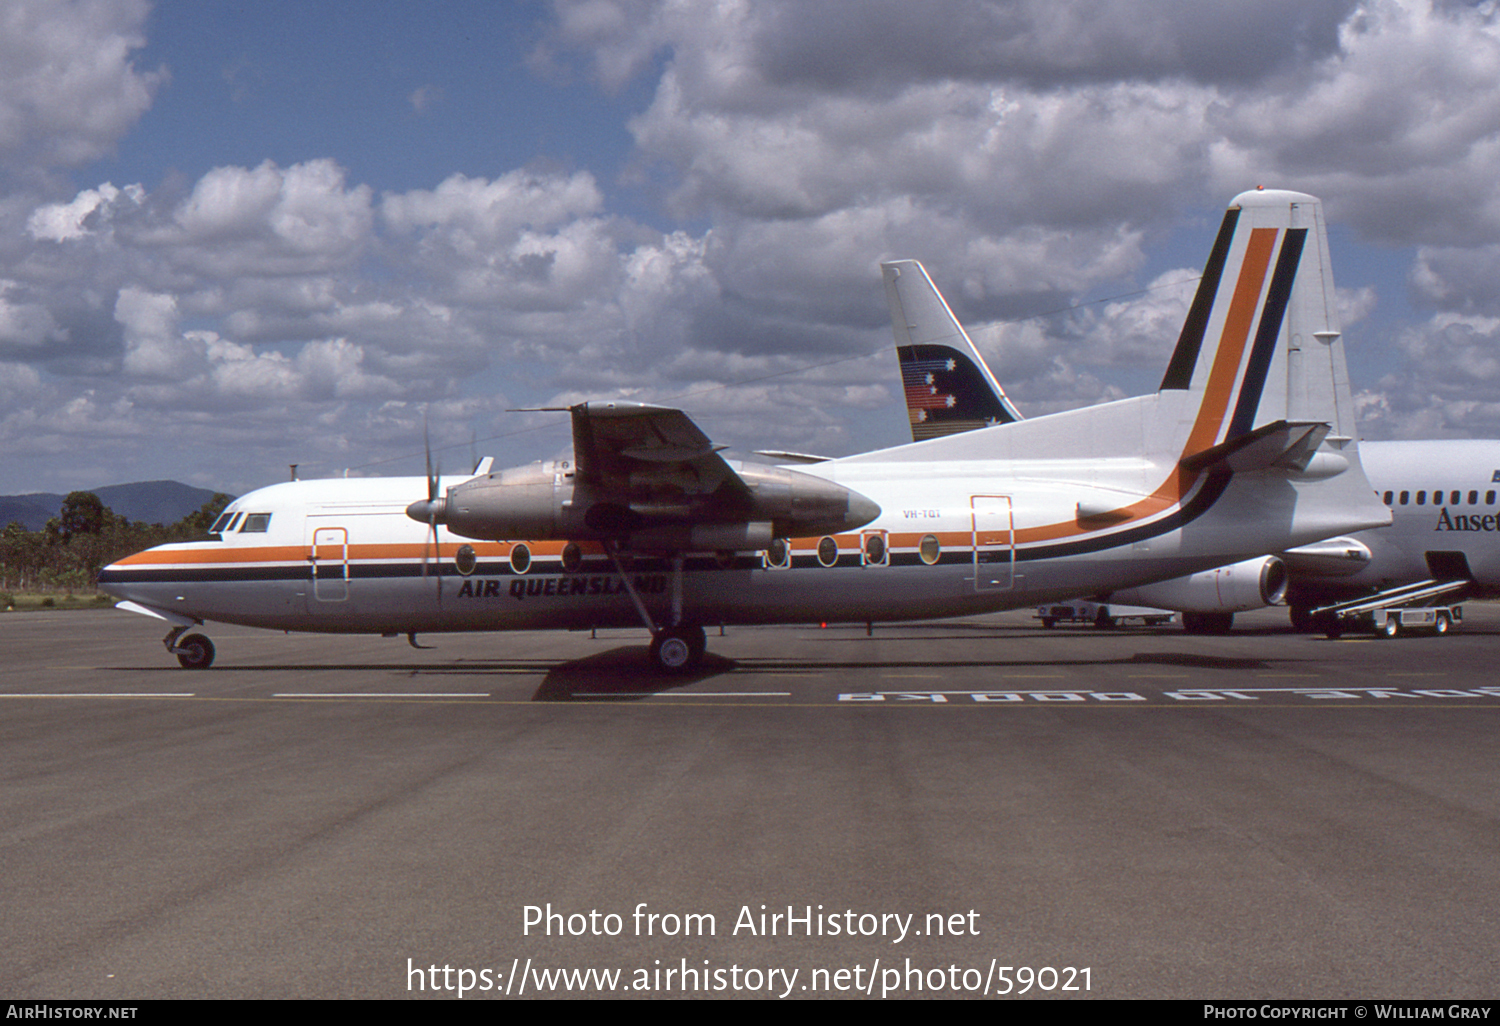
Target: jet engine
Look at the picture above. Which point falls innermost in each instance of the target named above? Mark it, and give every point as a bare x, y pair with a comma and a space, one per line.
1209, 600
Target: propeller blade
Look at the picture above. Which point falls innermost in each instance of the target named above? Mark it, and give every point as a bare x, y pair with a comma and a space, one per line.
432, 479
438, 552
431, 549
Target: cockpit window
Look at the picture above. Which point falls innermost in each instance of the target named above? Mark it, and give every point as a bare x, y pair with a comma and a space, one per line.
220, 523
256, 523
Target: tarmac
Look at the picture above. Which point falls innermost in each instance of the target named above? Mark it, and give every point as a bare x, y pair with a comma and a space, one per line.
962, 808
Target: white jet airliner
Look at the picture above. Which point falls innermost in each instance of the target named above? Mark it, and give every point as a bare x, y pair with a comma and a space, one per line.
1245, 449
1443, 493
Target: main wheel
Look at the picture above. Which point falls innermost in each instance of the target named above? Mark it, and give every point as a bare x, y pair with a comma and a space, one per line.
195, 652
678, 649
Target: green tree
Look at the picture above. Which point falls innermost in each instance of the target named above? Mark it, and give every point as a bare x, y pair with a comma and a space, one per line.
82, 513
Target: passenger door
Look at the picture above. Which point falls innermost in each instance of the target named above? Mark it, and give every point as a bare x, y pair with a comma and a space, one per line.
994, 542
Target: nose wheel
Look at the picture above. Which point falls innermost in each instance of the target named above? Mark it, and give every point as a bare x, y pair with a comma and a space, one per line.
194, 652
677, 649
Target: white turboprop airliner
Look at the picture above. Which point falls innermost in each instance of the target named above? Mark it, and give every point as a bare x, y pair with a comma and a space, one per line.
1444, 494
1245, 449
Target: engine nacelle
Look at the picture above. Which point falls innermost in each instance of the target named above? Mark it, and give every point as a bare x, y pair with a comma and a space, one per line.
1247, 585
799, 505
544, 501
1336, 557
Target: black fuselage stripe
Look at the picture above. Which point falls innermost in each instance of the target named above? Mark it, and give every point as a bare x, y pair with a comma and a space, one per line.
1185, 357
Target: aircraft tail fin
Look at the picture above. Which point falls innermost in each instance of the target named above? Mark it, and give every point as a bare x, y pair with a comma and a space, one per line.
1261, 343
948, 387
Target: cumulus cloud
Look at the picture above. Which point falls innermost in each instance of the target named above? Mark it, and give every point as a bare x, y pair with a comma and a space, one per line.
85, 214
68, 86
1035, 155
269, 221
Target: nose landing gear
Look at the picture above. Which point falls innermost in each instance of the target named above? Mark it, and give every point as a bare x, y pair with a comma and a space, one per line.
194, 652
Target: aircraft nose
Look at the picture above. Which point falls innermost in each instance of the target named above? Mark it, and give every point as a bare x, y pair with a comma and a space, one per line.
861, 511
426, 511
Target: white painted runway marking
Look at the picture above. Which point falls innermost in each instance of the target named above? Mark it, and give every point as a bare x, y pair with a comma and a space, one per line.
101, 694
381, 694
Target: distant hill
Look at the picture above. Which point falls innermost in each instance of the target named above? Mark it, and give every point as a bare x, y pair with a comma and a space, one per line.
150, 502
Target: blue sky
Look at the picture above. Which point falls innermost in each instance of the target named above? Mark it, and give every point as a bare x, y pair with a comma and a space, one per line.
242, 235
404, 93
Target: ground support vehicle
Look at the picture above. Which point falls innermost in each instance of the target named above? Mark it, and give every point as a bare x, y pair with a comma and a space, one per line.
1395, 611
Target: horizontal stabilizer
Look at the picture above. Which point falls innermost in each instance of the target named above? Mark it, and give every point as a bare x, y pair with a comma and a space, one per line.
1280, 444
791, 457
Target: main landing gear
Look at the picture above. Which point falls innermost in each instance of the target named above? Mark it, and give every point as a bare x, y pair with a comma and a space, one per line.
678, 649
194, 652
675, 648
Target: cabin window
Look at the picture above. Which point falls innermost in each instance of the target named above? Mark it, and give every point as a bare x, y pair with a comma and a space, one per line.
256, 523
1404, 497
1454, 497
520, 558
1473, 498
875, 549
828, 551
1489, 498
1422, 498
572, 558
466, 559
1388, 497
778, 554
929, 549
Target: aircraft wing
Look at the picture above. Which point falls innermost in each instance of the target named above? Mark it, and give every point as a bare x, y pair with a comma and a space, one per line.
648, 478
619, 447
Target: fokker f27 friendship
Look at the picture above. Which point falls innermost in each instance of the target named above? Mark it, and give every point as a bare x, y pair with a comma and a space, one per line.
1247, 448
